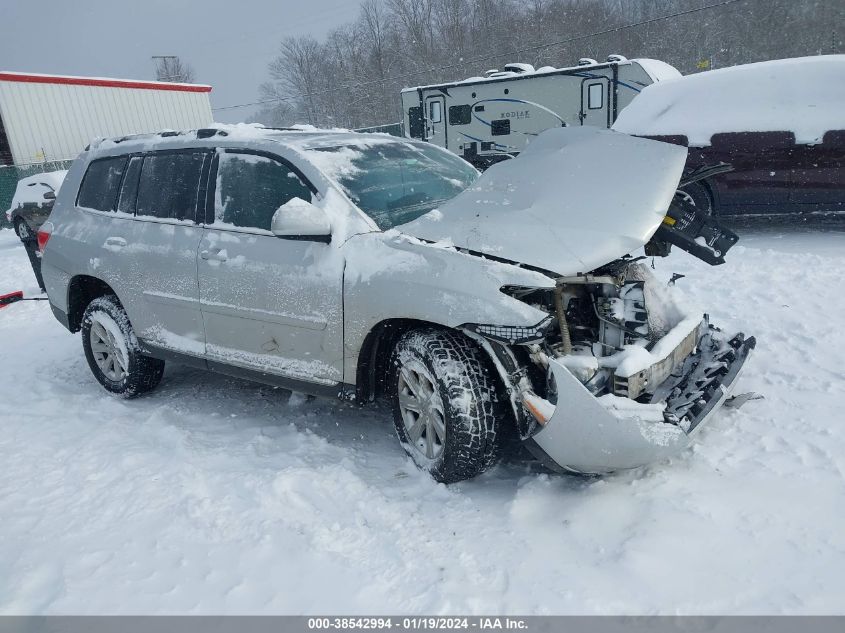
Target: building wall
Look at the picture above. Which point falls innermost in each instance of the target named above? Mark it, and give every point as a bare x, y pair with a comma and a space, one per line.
55, 121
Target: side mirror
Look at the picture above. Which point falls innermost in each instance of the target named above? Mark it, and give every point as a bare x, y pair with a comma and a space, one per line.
298, 218
49, 195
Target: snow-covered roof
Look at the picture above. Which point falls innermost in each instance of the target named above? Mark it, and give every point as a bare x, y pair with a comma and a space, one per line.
804, 95
107, 82
657, 69
297, 136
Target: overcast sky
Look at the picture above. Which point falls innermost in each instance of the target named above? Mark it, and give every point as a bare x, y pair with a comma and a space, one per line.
228, 42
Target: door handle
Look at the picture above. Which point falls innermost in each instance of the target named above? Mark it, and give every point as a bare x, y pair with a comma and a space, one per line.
214, 255
114, 243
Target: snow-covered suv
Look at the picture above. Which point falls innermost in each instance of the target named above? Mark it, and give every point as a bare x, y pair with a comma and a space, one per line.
355, 266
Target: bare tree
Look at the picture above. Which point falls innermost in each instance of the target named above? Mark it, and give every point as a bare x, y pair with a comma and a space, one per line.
353, 77
171, 68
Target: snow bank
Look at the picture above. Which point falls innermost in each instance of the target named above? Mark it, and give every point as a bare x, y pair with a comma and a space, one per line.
215, 496
805, 95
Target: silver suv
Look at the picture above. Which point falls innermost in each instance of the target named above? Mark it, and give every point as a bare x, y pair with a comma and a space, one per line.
357, 266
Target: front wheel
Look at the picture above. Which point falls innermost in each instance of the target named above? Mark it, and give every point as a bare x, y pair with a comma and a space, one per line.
446, 408
112, 350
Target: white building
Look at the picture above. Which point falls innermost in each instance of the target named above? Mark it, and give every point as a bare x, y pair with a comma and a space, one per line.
47, 118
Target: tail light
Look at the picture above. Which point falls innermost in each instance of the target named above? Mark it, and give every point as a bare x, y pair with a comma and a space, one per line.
44, 235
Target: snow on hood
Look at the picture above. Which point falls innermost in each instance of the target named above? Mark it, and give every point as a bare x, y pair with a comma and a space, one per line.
575, 199
805, 95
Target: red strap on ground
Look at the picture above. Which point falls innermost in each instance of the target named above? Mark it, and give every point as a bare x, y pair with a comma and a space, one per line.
10, 298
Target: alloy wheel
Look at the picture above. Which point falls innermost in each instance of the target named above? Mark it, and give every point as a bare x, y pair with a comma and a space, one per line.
422, 410
108, 352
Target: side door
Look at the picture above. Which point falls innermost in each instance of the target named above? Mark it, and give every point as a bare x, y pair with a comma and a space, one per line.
763, 169
156, 246
435, 120
595, 102
818, 176
271, 305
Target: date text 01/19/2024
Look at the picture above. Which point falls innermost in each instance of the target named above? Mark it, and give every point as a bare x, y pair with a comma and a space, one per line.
417, 623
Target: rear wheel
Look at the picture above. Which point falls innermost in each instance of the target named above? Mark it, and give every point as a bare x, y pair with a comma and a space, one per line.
446, 408
112, 350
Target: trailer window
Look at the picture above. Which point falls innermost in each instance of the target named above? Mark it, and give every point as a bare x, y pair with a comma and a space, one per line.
101, 183
416, 125
595, 96
500, 127
460, 115
435, 111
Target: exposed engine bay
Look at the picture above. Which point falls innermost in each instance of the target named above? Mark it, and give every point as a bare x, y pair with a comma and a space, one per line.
631, 348
619, 331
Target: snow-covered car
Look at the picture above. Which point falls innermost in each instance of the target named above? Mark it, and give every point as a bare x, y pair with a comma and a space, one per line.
763, 138
361, 265
33, 201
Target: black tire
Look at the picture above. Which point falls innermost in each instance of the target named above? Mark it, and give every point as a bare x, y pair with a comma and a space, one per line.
473, 411
141, 373
23, 231
701, 197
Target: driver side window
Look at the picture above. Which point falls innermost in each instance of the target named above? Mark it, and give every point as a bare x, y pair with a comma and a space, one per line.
250, 188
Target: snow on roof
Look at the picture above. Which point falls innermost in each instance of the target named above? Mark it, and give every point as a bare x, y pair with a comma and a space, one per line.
657, 69
107, 82
300, 136
804, 95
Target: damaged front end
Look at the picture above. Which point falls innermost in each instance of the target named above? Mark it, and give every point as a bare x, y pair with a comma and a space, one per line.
617, 376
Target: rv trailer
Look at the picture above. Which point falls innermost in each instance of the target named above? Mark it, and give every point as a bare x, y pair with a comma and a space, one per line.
487, 119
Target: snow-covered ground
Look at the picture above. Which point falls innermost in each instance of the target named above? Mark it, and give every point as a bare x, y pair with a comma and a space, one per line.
212, 495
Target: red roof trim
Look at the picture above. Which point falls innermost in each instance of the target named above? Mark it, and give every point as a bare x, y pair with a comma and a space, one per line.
107, 83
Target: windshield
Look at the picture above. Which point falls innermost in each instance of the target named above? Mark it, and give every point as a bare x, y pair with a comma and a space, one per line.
395, 182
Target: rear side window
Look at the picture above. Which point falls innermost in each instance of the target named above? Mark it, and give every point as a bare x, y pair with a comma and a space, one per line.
250, 188
101, 183
129, 188
169, 185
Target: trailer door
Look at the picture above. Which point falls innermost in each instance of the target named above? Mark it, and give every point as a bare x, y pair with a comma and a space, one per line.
595, 102
435, 120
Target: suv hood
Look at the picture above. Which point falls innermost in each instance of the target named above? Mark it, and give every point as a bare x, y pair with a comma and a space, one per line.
574, 200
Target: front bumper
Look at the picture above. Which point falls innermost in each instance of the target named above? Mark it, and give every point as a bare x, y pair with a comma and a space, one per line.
584, 436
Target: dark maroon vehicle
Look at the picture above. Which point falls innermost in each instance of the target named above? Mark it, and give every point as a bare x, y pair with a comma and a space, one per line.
764, 138
763, 173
